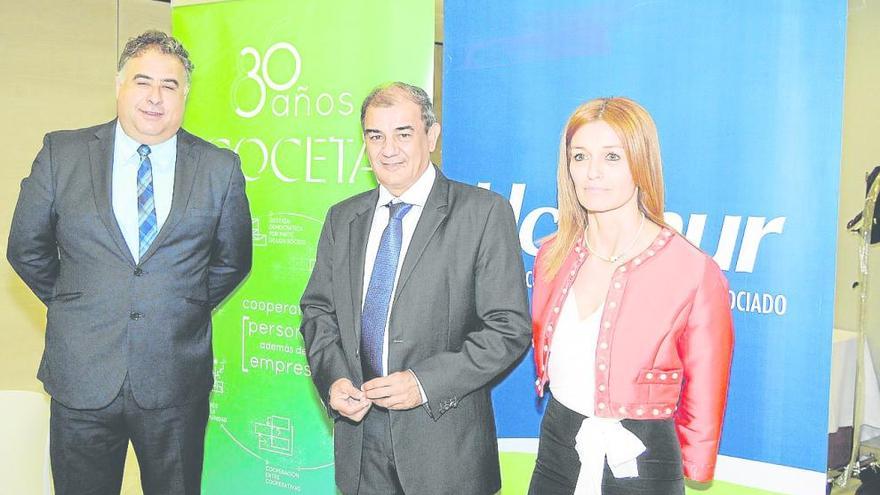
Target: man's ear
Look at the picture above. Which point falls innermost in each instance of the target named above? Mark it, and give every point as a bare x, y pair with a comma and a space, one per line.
433, 135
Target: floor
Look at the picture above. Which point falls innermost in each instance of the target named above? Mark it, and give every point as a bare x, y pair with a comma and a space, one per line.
131, 484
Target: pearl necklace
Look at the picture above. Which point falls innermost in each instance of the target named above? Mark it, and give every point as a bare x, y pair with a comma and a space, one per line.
615, 258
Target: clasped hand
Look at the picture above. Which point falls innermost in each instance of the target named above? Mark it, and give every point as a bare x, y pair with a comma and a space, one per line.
398, 391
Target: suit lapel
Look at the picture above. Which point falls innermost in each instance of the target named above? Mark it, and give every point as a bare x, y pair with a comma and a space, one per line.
433, 214
359, 232
101, 158
185, 171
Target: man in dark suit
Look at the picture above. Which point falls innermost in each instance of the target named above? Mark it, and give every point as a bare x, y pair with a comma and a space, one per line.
416, 304
131, 232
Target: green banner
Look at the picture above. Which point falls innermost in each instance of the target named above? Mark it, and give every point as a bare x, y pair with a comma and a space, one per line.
281, 82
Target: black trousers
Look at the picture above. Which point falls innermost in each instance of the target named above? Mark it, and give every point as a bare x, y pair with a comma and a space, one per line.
557, 466
378, 469
88, 447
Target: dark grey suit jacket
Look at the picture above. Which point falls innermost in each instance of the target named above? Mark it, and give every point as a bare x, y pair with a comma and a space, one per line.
459, 319
107, 315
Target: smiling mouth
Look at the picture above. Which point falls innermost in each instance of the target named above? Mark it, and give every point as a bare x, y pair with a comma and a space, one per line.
152, 115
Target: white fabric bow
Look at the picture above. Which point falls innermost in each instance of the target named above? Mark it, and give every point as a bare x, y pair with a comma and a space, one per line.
601, 438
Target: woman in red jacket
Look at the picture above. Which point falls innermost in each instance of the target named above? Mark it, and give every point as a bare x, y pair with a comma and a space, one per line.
632, 323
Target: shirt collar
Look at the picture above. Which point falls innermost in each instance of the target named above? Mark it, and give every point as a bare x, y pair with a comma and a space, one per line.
161, 153
417, 194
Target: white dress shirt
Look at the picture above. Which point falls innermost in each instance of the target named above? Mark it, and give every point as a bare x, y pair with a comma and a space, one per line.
126, 161
416, 195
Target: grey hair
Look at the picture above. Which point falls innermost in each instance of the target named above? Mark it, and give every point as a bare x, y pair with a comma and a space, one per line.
156, 40
388, 94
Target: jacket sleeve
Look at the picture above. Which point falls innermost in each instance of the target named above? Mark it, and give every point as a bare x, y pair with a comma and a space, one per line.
539, 289
320, 327
32, 249
706, 348
501, 306
231, 253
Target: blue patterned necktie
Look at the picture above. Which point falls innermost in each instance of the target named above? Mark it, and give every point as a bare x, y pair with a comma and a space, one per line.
375, 313
148, 226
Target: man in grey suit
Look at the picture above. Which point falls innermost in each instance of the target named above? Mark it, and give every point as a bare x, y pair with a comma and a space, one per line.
416, 304
131, 232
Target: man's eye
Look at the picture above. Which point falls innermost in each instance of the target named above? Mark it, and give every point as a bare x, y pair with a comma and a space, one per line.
612, 157
142, 83
170, 88
405, 135
374, 137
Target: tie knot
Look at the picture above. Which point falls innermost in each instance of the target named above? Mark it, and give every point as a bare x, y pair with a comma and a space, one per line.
143, 150
398, 210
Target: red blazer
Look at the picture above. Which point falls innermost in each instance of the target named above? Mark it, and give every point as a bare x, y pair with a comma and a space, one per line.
665, 341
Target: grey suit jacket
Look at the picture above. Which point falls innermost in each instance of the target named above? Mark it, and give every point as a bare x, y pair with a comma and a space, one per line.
107, 315
459, 319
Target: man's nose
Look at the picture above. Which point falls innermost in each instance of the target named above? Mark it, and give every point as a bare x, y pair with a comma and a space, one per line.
155, 96
390, 147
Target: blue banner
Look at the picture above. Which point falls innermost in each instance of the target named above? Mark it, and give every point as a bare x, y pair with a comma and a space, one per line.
747, 97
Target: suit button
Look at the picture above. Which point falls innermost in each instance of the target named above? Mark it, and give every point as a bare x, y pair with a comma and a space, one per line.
138, 272
136, 315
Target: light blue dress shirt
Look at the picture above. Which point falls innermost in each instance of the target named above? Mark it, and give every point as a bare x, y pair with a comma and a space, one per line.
163, 157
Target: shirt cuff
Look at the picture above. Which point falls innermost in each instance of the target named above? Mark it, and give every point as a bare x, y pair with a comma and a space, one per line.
421, 390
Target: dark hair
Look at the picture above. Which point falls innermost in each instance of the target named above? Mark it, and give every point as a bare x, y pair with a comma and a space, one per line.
155, 40
388, 94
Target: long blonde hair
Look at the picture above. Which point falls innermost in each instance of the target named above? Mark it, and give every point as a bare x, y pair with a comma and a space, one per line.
638, 134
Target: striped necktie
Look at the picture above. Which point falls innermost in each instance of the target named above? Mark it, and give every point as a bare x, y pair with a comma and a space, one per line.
148, 226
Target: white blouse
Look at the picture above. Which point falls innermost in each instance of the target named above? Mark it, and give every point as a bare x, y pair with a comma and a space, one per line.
572, 365
572, 382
